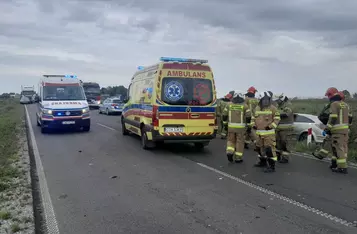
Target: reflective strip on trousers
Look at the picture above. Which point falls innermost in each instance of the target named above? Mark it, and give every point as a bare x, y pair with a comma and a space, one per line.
236, 125
230, 149
238, 154
265, 132
286, 126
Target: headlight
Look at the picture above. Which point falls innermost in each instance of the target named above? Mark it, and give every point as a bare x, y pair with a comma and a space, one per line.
47, 111
85, 110
98, 102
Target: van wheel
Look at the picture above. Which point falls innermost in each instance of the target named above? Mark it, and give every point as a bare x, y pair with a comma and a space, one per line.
124, 131
44, 130
145, 143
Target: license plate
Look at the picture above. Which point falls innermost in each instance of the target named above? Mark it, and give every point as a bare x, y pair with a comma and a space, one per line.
68, 122
173, 129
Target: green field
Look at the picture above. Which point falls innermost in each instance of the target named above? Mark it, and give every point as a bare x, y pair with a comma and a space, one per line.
314, 106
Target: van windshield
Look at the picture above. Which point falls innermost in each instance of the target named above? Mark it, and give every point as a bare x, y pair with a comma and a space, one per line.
28, 93
63, 93
187, 91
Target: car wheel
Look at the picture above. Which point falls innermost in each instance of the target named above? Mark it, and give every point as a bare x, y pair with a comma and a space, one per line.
124, 131
107, 112
86, 128
100, 112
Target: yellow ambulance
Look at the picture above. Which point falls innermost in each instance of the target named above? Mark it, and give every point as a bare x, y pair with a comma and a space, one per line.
172, 101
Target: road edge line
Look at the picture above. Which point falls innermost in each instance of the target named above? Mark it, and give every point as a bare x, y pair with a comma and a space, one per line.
49, 221
107, 127
326, 160
281, 197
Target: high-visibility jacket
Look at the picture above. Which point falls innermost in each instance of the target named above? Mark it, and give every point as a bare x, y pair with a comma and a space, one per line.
286, 116
339, 118
266, 120
237, 115
252, 104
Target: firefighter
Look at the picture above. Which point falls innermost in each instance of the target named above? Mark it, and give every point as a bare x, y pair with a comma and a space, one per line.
325, 149
221, 106
338, 128
285, 137
237, 114
252, 102
265, 120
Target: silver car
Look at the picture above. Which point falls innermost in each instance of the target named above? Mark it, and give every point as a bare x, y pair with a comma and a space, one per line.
111, 106
305, 121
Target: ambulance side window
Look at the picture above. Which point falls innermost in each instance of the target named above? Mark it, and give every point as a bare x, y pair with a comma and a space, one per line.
129, 92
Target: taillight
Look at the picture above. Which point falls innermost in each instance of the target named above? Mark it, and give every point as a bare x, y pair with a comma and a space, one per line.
114, 104
155, 116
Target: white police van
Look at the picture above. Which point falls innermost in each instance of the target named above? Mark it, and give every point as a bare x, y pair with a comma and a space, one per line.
62, 104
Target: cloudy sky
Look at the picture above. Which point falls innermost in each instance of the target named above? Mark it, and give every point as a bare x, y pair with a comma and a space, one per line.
300, 47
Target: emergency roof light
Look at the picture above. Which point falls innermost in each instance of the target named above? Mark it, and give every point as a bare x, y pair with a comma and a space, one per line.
169, 59
141, 68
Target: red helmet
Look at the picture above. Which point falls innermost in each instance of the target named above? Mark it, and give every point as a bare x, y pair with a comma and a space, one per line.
331, 92
342, 95
252, 90
228, 96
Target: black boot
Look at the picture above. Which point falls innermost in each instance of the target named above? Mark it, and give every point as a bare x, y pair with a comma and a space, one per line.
230, 157
333, 164
317, 155
261, 163
270, 167
238, 160
246, 146
278, 154
284, 160
340, 170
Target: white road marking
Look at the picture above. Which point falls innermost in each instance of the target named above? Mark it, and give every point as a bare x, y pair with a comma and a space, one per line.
105, 126
326, 160
50, 221
281, 197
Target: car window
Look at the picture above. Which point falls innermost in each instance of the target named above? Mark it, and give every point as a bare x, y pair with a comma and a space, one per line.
303, 119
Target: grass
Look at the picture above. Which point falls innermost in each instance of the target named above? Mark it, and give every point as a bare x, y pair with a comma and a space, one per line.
5, 215
314, 106
10, 120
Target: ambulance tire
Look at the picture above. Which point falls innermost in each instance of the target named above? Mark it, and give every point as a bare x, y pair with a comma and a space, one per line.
124, 131
145, 143
200, 145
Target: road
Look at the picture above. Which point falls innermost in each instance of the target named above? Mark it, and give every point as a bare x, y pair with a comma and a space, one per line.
103, 182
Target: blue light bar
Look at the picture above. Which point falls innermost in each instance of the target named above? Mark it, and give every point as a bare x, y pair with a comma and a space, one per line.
141, 67
70, 76
169, 59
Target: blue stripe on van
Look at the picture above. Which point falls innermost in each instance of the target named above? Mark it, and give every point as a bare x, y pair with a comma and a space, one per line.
170, 108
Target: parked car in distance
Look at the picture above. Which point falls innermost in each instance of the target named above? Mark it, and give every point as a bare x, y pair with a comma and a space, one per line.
111, 106
302, 122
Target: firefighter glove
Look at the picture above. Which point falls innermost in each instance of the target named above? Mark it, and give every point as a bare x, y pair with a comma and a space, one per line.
254, 127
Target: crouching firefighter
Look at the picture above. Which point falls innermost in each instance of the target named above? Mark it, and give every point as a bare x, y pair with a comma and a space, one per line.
285, 137
265, 121
237, 114
338, 128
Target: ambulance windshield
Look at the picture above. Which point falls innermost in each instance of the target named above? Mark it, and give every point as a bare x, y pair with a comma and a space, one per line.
187, 91
63, 93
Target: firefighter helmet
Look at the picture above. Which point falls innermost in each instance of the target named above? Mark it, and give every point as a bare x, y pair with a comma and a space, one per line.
330, 92
228, 96
342, 95
252, 90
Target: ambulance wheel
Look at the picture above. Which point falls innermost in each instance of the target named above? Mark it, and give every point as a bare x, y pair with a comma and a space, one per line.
145, 143
124, 131
200, 145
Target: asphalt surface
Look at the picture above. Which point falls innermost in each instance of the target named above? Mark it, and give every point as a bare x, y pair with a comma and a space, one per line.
103, 182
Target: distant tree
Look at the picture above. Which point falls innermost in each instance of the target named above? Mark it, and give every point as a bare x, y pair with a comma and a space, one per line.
114, 90
347, 94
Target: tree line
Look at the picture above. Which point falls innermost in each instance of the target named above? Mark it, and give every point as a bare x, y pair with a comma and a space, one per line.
114, 90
